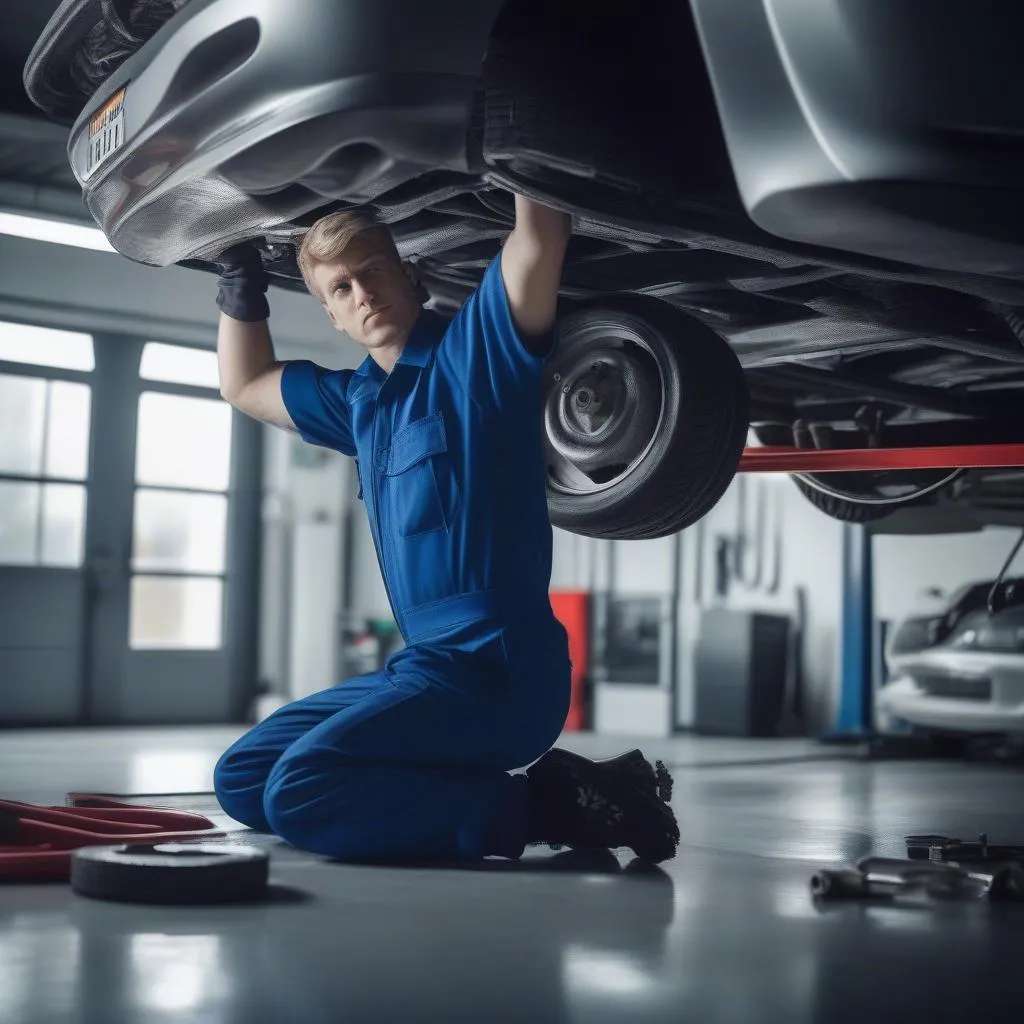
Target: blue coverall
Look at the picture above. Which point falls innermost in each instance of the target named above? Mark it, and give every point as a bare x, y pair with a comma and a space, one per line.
414, 761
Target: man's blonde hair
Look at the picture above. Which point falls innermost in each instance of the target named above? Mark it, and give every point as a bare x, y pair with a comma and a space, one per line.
330, 236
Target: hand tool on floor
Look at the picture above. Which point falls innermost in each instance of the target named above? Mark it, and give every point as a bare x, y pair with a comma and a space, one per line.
36, 842
944, 848
893, 877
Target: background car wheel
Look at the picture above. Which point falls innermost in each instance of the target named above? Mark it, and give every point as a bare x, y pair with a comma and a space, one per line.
646, 413
870, 497
840, 508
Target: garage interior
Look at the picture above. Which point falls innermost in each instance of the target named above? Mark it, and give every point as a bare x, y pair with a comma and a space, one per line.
172, 572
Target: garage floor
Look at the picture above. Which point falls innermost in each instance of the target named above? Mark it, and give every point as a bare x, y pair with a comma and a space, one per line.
727, 932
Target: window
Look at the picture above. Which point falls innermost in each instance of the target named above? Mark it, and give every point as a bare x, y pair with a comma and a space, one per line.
183, 442
179, 532
44, 456
23, 402
44, 346
62, 525
19, 534
178, 365
180, 613
182, 474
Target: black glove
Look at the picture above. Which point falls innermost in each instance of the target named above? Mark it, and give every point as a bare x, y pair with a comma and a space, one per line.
243, 284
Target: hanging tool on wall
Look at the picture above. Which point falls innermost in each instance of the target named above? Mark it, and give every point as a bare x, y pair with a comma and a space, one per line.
752, 555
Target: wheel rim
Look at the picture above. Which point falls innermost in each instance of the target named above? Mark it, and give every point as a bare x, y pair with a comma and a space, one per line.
603, 408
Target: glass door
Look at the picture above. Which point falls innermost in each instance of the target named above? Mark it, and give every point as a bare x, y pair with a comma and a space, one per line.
174, 557
45, 400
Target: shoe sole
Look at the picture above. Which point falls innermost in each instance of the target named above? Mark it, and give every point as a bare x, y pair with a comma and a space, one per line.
634, 761
659, 843
643, 790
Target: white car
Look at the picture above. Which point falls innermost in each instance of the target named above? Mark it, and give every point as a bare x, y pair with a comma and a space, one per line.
962, 672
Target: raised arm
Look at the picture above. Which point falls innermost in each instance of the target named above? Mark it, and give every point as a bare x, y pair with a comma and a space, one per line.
531, 265
250, 374
296, 394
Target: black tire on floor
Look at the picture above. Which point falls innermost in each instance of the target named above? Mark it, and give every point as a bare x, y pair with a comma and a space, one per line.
840, 508
701, 429
175, 873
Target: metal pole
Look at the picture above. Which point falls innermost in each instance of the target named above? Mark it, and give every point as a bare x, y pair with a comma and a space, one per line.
855, 718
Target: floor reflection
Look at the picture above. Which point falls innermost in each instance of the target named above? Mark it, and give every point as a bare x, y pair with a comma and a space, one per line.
725, 932
558, 937
191, 770
177, 973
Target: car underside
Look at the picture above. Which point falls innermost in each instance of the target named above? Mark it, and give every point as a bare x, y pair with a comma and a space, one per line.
880, 307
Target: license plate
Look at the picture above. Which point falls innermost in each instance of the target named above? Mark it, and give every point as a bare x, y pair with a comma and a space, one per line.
106, 132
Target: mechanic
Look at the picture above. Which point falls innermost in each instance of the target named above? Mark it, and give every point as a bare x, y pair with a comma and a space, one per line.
445, 423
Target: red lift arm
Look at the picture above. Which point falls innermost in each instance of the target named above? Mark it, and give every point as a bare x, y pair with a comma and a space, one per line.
810, 460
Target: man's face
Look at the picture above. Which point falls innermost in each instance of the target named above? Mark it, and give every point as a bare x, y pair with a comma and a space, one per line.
368, 294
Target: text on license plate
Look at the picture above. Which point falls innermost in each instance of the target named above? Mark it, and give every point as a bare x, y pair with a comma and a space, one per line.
106, 131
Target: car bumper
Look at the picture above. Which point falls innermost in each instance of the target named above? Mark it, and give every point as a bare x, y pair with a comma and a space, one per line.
1002, 712
239, 121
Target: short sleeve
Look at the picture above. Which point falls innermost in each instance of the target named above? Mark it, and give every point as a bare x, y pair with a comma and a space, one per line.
316, 401
485, 348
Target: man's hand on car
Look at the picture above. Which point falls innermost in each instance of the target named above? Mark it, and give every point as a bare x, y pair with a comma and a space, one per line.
250, 375
242, 284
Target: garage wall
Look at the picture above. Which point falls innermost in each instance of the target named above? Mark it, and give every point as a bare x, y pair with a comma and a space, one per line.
369, 597
306, 496
792, 564
906, 567
305, 524
87, 290
788, 561
786, 558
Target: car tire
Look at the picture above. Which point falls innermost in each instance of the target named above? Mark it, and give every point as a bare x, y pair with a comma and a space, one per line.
841, 509
672, 378
850, 510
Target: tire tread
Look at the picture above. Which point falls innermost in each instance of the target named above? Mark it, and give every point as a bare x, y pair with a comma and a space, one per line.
697, 469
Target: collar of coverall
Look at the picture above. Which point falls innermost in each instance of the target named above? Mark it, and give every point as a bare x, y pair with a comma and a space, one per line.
419, 346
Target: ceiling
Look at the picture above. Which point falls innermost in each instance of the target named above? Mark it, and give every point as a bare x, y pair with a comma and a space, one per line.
23, 22
32, 149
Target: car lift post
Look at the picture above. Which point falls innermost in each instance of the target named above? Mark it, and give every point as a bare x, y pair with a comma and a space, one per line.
855, 718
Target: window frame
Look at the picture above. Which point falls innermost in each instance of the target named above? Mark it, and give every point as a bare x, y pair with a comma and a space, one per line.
49, 374
176, 383
149, 386
33, 368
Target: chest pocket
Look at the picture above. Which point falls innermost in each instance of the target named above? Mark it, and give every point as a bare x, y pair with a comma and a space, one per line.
423, 487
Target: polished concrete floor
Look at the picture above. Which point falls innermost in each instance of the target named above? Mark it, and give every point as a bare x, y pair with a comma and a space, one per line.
726, 932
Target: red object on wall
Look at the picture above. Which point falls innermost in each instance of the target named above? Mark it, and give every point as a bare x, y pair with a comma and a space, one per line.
572, 609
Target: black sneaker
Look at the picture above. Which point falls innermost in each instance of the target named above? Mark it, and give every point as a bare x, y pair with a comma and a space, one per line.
621, 801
